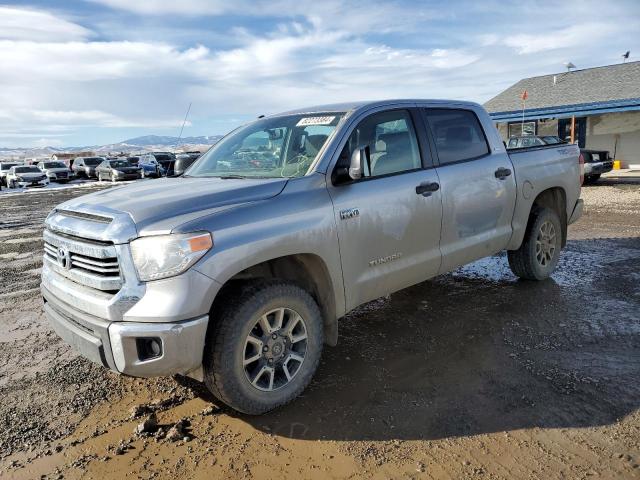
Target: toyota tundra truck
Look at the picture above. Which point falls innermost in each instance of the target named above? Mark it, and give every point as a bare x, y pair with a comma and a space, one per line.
237, 272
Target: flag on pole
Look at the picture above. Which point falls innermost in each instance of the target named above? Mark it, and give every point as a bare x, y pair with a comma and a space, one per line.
523, 97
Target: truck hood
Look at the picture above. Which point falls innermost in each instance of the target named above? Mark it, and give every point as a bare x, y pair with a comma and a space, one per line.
157, 206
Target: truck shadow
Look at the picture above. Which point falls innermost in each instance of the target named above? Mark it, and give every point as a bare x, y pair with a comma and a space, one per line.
478, 351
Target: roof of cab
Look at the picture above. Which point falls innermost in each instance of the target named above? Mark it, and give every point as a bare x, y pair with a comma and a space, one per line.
366, 105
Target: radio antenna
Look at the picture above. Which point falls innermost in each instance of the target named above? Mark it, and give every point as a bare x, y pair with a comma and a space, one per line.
182, 128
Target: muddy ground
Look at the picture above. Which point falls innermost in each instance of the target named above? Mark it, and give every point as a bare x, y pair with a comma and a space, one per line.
473, 374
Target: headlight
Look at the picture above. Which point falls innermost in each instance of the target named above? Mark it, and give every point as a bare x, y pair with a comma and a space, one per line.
117, 172
165, 256
20, 179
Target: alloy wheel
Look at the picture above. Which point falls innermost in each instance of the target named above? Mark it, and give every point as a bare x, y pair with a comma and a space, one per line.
546, 243
275, 349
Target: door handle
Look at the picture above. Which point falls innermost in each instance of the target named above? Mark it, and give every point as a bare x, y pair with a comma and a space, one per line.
427, 188
502, 173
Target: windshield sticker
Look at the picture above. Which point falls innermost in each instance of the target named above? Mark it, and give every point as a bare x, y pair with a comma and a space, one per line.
315, 121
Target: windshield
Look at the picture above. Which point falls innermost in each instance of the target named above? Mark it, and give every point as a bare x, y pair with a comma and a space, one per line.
54, 165
272, 147
27, 170
551, 140
92, 161
119, 163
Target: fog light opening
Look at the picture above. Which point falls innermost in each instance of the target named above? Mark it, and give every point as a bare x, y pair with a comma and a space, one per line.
149, 348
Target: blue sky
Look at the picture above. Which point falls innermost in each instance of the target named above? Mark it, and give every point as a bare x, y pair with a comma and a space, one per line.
91, 72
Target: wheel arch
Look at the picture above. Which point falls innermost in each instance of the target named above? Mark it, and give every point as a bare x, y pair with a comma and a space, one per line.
554, 198
308, 271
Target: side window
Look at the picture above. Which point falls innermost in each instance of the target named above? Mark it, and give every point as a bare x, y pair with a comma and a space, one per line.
391, 142
458, 135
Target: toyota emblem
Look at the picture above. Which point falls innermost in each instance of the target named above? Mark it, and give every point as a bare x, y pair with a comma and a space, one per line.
64, 258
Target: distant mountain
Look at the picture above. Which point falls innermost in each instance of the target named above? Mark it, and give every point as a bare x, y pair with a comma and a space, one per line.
137, 144
171, 141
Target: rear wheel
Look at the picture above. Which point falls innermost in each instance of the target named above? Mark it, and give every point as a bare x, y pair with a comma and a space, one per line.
263, 346
539, 253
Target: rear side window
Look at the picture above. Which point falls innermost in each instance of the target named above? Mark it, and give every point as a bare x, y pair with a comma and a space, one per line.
458, 135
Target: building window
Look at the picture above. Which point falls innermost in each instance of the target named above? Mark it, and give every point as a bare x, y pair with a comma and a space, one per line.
522, 129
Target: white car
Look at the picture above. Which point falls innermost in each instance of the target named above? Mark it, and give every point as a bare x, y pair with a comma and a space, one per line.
4, 169
56, 171
22, 176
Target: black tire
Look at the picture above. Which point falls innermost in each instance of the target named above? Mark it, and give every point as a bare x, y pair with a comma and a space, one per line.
591, 179
225, 374
533, 261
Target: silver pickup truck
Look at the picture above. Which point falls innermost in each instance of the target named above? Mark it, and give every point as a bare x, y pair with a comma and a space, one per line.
237, 272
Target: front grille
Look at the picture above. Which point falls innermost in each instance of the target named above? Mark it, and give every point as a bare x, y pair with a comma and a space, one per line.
89, 263
61, 175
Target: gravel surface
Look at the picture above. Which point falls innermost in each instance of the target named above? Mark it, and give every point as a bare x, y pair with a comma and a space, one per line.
471, 375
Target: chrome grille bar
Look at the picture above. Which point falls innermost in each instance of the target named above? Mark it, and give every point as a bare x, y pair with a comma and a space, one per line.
88, 263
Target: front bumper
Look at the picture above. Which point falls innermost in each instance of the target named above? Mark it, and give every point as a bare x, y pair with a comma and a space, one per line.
129, 176
597, 168
54, 177
114, 344
28, 183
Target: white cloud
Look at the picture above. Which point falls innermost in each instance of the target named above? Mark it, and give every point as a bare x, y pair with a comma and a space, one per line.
37, 26
573, 36
164, 7
48, 142
59, 82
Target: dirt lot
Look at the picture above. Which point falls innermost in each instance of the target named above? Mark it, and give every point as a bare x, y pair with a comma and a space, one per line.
473, 374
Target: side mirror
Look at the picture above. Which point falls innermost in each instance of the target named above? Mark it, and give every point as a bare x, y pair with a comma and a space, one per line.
355, 166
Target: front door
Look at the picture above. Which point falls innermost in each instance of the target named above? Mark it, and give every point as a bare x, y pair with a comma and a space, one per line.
388, 232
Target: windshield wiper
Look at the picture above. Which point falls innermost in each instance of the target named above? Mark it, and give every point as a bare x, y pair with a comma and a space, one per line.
229, 177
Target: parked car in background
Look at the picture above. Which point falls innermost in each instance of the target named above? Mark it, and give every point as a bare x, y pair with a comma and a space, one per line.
183, 161
150, 166
552, 139
118, 169
525, 142
86, 166
165, 159
4, 169
56, 171
596, 162
22, 176
239, 272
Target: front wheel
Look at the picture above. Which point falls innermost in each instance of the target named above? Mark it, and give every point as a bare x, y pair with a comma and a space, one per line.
539, 253
263, 346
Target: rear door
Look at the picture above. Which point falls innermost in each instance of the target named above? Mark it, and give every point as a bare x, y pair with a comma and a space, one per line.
388, 222
478, 187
